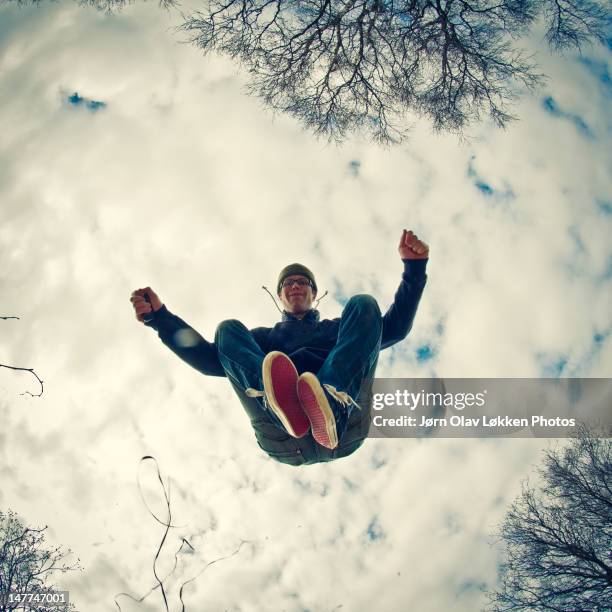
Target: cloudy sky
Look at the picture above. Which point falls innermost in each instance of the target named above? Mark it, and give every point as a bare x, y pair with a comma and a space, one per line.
126, 160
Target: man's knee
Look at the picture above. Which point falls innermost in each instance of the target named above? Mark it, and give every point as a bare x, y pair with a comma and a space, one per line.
365, 303
226, 328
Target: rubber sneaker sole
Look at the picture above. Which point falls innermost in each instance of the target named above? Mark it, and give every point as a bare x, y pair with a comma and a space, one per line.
280, 386
318, 411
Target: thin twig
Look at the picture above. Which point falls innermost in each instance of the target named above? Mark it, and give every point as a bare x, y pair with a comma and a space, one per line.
31, 370
168, 525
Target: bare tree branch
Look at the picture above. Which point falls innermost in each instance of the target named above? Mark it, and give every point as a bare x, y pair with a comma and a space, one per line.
559, 539
9, 367
2, 365
161, 582
341, 66
107, 6
26, 564
345, 65
574, 23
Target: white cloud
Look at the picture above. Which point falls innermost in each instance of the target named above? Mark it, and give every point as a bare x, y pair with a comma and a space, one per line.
185, 184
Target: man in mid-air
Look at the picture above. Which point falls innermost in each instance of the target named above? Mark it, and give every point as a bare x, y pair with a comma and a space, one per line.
299, 379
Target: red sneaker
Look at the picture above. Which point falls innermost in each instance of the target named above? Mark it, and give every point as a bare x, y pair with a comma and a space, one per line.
280, 386
317, 407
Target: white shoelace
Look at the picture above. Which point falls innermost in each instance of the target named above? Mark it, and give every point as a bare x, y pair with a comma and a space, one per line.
254, 393
344, 398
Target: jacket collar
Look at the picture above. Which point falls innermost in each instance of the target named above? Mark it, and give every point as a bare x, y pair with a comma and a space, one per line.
312, 316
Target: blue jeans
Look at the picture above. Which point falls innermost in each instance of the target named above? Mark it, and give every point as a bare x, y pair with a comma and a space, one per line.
352, 359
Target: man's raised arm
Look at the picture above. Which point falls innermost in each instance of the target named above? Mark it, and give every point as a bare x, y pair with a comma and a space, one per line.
397, 321
179, 337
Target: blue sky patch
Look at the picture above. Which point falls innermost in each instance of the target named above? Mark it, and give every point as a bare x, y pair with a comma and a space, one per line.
604, 207
598, 341
550, 105
556, 366
75, 99
93, 105
424, 353
485, 188
600, 71
552, 367
582, 126
375, 531
338, 293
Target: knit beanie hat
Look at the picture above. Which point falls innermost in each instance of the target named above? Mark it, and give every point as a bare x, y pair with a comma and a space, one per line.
294, 269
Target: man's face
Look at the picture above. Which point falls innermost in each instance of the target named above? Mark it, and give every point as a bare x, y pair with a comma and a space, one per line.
296, 298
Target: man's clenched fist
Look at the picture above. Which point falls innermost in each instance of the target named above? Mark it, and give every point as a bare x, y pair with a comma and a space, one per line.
145, 301
410, 247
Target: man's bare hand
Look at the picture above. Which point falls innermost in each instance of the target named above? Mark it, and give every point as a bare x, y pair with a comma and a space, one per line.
410, 247
141, 305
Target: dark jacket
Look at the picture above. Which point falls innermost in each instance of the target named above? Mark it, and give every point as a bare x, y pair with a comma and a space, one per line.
307, 341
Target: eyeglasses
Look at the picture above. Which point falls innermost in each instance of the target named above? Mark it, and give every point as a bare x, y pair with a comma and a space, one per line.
301, 282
